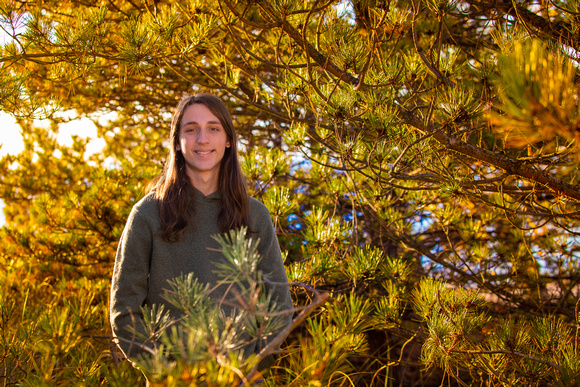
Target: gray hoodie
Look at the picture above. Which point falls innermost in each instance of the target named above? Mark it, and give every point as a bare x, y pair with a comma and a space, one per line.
145, 262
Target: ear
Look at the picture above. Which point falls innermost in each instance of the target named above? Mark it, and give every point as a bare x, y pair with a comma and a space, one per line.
228, 144
178, 148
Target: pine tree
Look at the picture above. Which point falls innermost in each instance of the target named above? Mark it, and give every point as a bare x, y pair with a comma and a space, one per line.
419, 159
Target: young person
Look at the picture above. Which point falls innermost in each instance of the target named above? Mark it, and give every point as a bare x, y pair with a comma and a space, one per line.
170, 232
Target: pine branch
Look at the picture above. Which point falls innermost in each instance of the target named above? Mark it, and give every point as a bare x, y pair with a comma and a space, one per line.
559, 30
435, 71
323, 61
503, 352
510, 166
319, 300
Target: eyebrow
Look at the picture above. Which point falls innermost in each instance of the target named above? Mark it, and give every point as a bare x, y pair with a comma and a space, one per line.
195, 123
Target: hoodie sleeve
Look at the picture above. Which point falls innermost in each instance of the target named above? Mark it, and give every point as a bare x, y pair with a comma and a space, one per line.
130, 283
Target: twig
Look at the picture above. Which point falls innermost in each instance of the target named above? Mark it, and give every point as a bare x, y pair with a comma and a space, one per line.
320, 299
419, 50
503, 352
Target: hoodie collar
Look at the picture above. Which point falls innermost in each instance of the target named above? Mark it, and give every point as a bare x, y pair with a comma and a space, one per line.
198, 195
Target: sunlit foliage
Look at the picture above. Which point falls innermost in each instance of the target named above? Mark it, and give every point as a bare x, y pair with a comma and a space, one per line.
419, 159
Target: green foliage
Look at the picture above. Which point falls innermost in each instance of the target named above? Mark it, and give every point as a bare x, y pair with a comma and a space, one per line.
55, 331
452, 318
361, 263
322, 357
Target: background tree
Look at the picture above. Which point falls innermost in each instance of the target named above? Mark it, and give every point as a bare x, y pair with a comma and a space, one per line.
419, 159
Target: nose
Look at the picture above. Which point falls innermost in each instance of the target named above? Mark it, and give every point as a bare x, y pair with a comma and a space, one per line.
201, 137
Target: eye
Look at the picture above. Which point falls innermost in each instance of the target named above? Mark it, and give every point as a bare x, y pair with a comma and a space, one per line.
214, 129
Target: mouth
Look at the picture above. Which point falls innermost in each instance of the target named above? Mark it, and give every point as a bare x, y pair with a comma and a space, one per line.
203, 153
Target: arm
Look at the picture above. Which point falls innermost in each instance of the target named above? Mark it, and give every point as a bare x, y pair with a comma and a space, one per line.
130, 283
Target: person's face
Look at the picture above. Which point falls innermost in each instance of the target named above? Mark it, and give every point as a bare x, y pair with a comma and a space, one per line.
202, 141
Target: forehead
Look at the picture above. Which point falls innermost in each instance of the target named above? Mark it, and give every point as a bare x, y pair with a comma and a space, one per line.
198, 113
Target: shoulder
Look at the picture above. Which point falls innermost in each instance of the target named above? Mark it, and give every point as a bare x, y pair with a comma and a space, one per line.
147, 207
143, 220
257, 209
259, 218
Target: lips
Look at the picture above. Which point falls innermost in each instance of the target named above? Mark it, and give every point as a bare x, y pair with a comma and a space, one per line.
203, 153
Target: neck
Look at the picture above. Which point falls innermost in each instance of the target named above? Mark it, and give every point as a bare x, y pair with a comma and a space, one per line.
204, 183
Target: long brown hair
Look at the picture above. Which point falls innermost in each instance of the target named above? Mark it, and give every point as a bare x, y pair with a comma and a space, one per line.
173, 187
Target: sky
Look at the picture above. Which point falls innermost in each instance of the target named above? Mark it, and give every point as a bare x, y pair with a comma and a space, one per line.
10, 137
11, 142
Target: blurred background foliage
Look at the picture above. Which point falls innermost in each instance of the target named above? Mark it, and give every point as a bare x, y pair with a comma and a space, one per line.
419, 159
